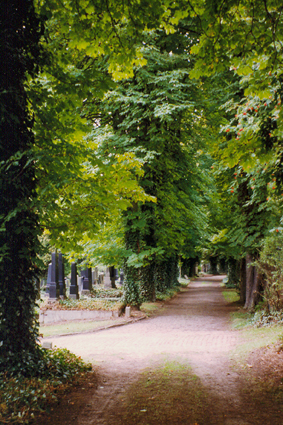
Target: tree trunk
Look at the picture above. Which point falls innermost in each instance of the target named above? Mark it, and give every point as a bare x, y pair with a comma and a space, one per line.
148, 290
253, 280
19, 227
243, 280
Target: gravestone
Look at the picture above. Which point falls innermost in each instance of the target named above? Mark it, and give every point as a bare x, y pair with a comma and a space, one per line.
95, 276
61, 276
112, 272
80, 283
48, 277
101, 278
54, 284
121, 277
107, 278
74, 289
87, 282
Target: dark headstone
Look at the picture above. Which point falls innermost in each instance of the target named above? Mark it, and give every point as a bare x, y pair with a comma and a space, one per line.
112, 273
61, 276
54, 285
87, 282
74, 289
48, 277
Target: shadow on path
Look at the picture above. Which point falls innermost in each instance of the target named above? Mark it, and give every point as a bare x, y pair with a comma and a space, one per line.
142, 371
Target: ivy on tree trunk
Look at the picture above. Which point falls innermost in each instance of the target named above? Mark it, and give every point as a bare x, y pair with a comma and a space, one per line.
19, 36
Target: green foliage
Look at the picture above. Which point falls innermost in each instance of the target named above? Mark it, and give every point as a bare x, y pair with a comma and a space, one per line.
233, 273
98, 301
98, 292
22, 397
231, 295
270, 264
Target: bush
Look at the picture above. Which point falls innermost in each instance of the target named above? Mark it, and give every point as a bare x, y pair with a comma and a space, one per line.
22, 397
270, 264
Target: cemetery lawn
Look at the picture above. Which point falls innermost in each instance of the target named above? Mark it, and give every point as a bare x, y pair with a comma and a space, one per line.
78, 327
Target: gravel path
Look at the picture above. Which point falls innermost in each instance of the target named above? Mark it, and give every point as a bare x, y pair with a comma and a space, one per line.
193, 328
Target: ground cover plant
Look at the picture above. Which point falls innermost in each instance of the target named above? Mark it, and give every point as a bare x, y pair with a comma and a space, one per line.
22, 397
84, 303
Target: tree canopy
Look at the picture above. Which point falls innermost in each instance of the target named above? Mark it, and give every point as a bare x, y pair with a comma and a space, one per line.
146, 134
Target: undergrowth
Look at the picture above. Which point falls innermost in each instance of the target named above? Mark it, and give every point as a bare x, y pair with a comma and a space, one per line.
264, 318
170, 292
84, 303
22, 397
100, 292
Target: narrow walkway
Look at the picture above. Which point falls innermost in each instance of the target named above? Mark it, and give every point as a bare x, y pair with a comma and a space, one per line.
193, 328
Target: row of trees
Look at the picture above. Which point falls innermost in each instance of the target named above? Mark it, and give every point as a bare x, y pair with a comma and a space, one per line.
141, 134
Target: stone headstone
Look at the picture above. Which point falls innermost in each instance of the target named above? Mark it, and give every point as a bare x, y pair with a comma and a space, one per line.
61, 276
47, 345
101, 278
48, 277
121, 277
94, 276
80, 283
107, 278
54, 285
74, 289
87, 281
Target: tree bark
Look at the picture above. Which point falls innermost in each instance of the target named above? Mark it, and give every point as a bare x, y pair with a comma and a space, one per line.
253, 280
19, 37
243, 280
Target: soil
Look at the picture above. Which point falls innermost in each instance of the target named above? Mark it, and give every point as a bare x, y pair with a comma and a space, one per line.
177, 367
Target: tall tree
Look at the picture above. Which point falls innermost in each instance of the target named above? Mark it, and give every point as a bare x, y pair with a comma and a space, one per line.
20, 31
157, 115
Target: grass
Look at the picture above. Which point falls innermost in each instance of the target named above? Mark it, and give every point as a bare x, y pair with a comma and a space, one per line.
231, 295
254, 338
152, 307
168, 393
73, 327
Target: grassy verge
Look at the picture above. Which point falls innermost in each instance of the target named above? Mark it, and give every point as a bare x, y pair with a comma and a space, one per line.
253, 336
22, 397
74, 327
152, 307
231, 295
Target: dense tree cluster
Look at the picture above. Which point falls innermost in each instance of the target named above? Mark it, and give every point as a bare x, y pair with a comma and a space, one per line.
146, 134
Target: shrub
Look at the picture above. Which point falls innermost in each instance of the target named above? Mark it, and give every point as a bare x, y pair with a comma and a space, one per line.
270, 264
21, 397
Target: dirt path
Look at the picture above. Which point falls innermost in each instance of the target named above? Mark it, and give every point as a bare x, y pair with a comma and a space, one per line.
142, 371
